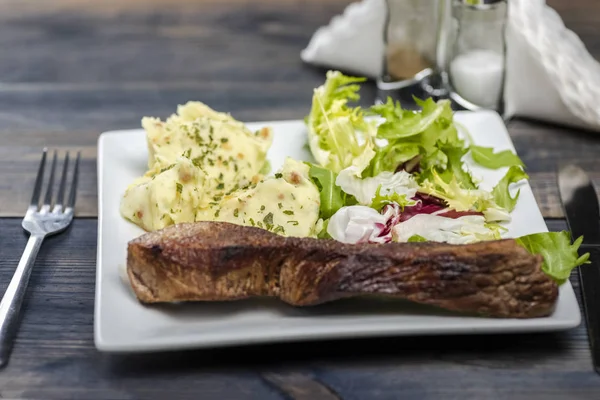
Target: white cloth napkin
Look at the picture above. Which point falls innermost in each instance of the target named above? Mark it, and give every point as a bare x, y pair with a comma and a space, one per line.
550, 76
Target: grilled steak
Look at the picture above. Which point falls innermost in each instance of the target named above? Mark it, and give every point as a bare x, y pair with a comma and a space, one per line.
217, 261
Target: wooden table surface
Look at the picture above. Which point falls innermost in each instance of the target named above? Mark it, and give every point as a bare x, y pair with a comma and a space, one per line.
71, 69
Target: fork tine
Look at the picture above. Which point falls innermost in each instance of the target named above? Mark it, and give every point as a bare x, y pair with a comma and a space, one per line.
73, 191
48, 196
63, 181
35, 198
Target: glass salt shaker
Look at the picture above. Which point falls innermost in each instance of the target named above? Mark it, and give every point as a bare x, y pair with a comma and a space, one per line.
412, 36
477, 63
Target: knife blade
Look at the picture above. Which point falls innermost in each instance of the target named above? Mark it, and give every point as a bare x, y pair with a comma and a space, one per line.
582, 212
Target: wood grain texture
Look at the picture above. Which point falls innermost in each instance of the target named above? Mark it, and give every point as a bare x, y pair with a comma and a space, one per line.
54, 356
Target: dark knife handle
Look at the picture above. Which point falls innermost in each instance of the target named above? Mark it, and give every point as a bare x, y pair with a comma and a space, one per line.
589, 277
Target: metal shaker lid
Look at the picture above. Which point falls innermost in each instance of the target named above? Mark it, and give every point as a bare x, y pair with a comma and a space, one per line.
481, 4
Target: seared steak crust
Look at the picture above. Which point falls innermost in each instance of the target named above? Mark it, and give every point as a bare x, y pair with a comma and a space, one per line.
217, 261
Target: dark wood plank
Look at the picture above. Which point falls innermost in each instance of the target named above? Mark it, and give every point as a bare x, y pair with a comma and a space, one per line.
54, 356
543, 148
159, 42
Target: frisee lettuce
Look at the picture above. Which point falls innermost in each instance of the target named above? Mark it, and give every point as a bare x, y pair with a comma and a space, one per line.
501, 191
454, 166
381, 200
560, 256
413, 133
486, 157
338, 135
455, 196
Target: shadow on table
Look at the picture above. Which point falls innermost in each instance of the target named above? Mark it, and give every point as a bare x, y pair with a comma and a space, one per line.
490, 351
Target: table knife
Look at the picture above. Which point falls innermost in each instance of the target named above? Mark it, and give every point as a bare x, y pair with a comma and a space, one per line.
580, 204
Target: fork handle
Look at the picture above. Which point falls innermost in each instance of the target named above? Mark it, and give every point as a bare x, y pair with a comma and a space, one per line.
13, 297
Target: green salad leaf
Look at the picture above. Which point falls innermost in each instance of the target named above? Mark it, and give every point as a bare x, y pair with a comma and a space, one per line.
416, 239
486, 157
432, 136
560, 256
501, 193
454, 166
338, 135
332, 197
400, 123
380, 201
423, 135
391, 156
323, 234
455, 195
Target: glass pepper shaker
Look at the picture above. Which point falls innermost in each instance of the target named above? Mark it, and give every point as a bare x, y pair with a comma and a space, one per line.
477, 63
412, 36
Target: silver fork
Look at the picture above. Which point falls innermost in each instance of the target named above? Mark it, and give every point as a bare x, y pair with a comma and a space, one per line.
40, 221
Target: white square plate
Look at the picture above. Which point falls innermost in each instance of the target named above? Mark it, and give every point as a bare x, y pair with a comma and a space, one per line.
122, 324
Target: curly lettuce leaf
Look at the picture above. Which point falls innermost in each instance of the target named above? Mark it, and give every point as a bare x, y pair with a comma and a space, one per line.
332, 196
416, 239
454, 195
501, 194
486, 157
454, 166
381, 200
411, 134
338, 135
560, 256
460, 199
400, 123
389, 157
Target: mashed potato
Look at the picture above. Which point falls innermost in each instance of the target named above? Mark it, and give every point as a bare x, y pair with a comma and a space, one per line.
205, 165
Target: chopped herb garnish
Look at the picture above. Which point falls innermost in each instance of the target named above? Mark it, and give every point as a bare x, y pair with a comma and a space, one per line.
179, 187
217, 213
262, 208
197, 161
280, 205
268, 219
187, 153
278, 175
295, 223
221, 186
166, 168
279, 229
236, 212
288, 212
252, 222
224, 140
